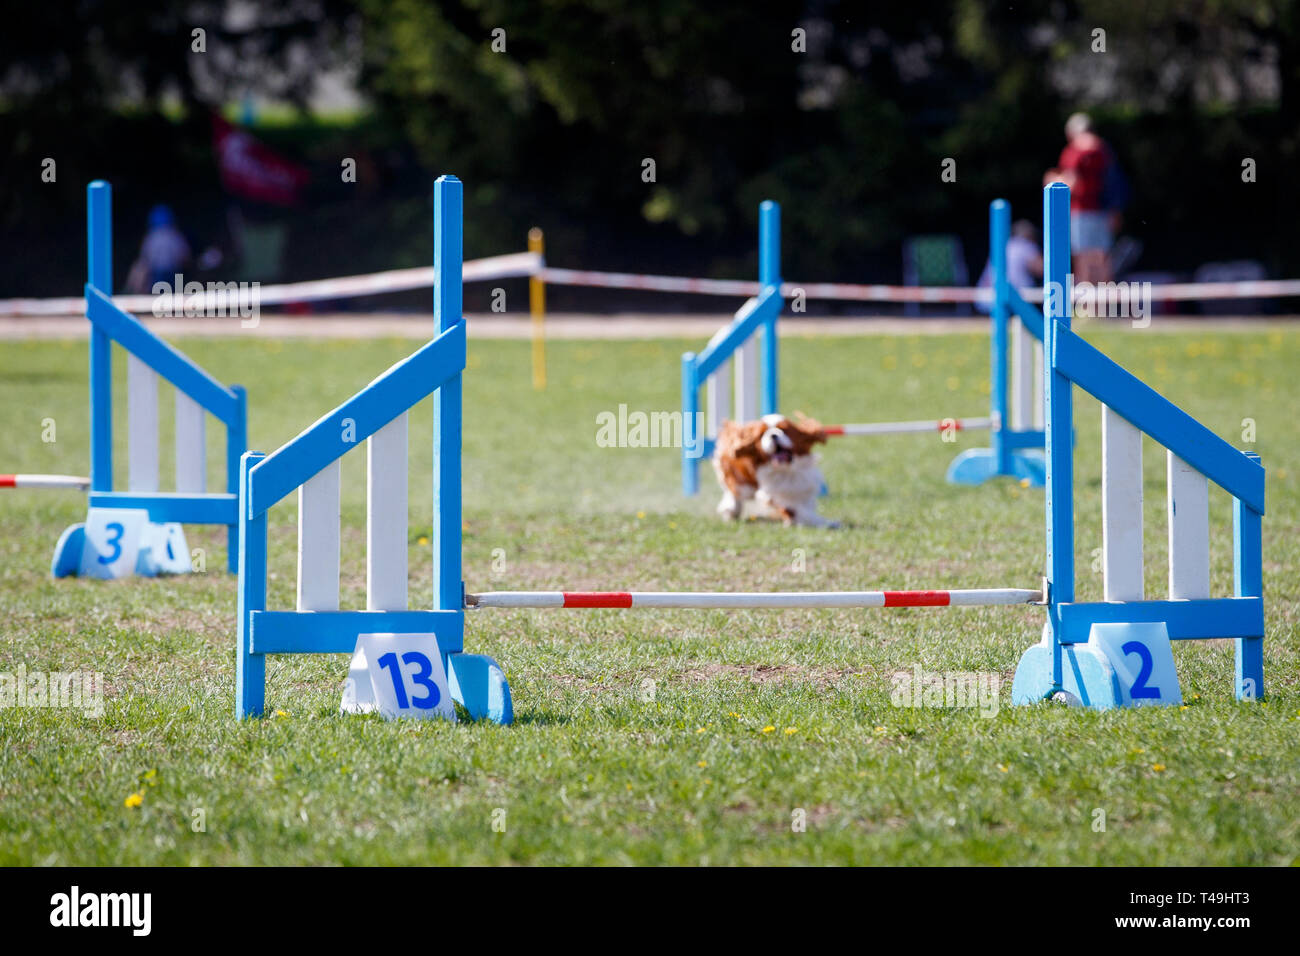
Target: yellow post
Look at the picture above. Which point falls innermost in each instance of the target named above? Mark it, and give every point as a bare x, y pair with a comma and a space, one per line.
537, 308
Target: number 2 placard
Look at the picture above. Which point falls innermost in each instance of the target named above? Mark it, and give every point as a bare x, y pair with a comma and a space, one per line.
1143, 658
398, 675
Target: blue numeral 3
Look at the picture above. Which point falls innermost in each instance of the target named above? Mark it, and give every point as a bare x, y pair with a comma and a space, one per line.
114, 541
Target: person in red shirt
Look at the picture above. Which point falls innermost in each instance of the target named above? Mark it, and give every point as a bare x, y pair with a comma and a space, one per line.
1083, 166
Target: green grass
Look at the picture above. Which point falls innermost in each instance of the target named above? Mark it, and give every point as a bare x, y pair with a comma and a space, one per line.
644, 737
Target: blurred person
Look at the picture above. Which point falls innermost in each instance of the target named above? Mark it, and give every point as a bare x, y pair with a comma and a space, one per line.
1083, 167
1024, 261
163, 253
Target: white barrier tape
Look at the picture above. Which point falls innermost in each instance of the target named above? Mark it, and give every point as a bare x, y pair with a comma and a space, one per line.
520, 264
1174, 291
395, 280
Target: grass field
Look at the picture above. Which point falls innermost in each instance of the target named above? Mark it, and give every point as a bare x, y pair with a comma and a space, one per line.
653, 737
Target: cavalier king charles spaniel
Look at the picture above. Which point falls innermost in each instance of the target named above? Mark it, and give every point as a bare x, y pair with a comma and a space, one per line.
771, 463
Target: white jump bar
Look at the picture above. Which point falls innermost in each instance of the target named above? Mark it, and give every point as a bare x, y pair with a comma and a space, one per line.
899, 428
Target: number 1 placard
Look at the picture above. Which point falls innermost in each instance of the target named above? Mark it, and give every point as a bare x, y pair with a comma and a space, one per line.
398, 675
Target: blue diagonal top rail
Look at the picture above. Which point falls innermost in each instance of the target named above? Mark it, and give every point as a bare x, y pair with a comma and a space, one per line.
171, 364
748, 320
1150, 412
1029, 316
402, 386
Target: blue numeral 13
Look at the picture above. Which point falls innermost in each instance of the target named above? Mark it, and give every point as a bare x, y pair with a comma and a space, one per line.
422, 678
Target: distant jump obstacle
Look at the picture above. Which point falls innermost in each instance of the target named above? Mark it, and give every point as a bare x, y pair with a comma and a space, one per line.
1016, 427
1086, 649
143, 507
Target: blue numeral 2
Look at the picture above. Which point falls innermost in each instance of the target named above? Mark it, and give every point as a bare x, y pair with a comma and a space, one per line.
1140, 690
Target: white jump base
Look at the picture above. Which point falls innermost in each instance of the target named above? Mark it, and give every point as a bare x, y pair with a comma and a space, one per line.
975, 597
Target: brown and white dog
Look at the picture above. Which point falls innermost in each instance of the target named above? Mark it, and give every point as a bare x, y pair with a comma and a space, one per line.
770, 462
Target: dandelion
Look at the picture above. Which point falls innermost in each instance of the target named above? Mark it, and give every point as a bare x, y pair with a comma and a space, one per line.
422, 540
768, 729
281, 713
1003, 768
791, 731
134, 800
640, 515
701, 764
1158, 767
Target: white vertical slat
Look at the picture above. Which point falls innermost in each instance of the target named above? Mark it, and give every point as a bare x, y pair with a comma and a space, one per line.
746, 406
191, 445
386, 517
1189, 531
141, 426
1038, 384
318, 541
1023, 384
717, 399
1121, 508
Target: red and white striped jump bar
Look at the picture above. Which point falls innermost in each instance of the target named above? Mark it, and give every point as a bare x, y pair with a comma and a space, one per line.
979, 597
899, 428
44, 481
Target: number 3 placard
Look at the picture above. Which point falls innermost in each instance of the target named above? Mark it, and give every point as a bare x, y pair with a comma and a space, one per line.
398, 675
112, 541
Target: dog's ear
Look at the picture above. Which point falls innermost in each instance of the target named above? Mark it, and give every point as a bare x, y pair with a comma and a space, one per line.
805, 433
740, 439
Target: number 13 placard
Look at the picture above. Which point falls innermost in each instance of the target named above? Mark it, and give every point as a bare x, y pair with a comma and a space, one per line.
398, 675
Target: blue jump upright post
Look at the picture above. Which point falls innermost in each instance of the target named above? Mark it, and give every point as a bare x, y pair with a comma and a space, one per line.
197, 391
1116, 652
769, 277
1015, 448
475, 681
761, 313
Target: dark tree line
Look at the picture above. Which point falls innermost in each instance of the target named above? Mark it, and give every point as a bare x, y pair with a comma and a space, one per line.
843, 111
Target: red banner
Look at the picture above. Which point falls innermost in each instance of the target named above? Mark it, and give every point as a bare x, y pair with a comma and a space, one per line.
251, 170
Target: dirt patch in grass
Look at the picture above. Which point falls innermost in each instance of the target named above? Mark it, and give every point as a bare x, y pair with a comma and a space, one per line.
822, 677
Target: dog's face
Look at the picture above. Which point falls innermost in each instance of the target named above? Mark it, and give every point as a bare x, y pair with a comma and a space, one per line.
776, 441
783, 441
